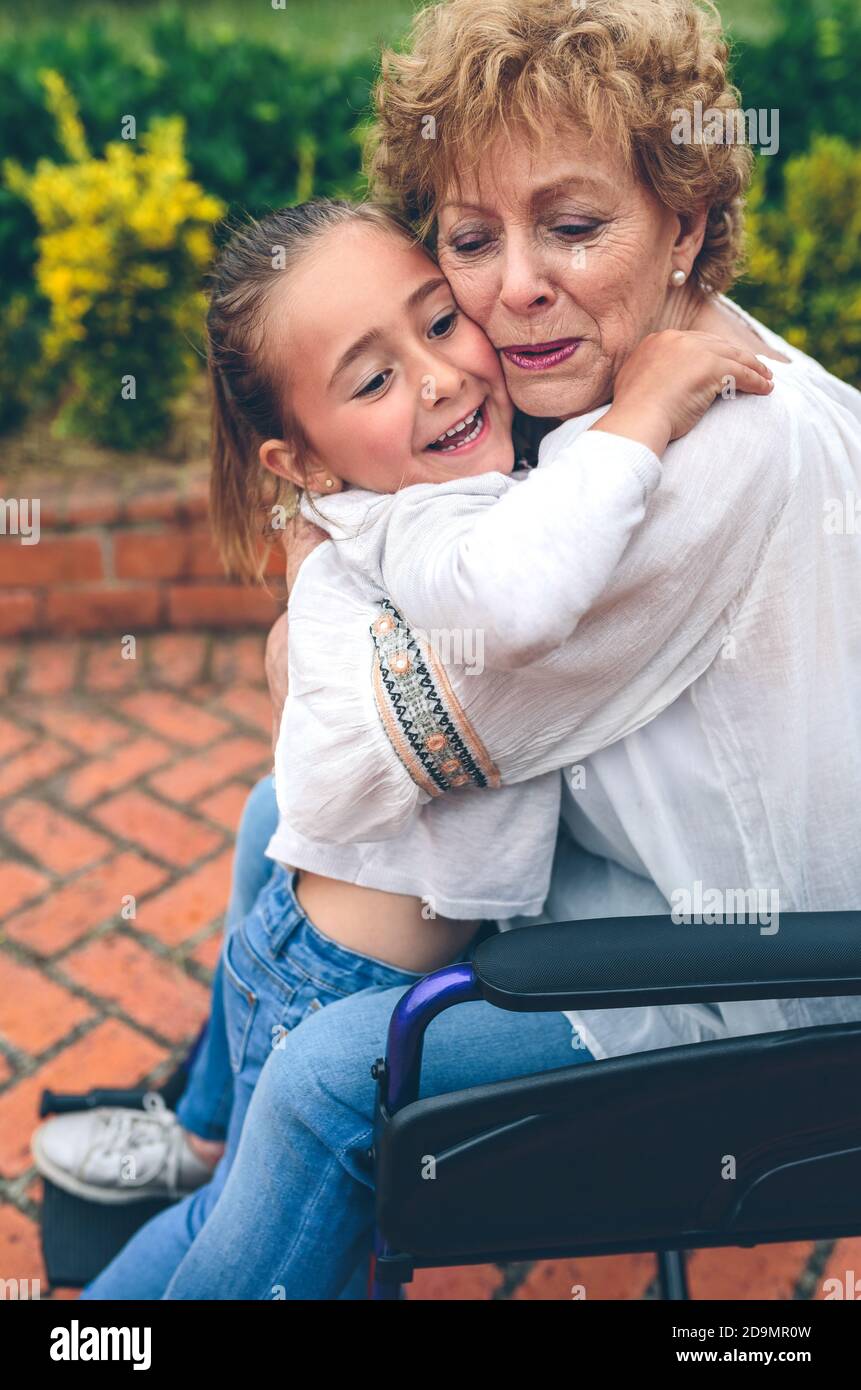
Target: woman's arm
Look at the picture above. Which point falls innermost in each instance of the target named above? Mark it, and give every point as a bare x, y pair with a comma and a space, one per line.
300, 538
275, 663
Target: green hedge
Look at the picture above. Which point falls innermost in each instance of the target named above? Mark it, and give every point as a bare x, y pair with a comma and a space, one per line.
809, 70
263, 126
249, 108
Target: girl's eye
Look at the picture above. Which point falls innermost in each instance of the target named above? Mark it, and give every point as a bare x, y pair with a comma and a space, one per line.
375, 384
441, 328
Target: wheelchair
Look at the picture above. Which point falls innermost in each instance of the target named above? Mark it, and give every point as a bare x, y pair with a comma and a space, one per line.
737, 1142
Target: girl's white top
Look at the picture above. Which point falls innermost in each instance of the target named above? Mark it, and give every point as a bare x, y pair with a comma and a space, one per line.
490, 573
706, 711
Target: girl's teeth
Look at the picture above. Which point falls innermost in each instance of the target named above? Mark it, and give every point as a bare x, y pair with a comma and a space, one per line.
456, 429
467, 437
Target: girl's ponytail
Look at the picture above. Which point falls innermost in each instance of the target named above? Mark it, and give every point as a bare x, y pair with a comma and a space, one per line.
235, 484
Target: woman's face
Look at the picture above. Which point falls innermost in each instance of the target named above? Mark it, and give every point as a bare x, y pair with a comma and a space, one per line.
564, 259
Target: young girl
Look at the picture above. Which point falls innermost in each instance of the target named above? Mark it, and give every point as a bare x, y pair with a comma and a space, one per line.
342, 367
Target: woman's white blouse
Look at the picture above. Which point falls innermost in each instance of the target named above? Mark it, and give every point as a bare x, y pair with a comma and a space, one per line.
491, 572
706, 710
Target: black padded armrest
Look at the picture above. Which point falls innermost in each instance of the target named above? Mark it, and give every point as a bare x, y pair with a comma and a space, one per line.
613, 962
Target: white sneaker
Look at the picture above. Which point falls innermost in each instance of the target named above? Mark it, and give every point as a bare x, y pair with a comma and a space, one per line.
114, 1155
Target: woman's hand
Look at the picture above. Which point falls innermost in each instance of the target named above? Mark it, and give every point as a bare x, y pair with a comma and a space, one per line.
671, 379
299, 539
275, 662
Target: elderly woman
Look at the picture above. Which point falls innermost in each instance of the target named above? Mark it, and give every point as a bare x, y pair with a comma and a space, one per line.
714, 730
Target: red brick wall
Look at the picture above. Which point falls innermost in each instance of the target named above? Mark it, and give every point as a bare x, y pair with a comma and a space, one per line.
124, 555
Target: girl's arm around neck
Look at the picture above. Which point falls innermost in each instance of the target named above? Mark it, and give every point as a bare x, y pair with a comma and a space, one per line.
521, 568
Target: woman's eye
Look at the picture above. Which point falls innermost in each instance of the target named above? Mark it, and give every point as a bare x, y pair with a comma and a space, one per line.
375, 384
570, 229
470, 244
442, 327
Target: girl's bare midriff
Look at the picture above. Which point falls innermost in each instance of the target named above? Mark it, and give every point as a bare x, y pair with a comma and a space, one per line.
387, 926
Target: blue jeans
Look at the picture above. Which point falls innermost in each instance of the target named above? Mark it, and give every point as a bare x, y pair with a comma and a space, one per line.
295, 1216
291, 1214
277, 969
206, 1102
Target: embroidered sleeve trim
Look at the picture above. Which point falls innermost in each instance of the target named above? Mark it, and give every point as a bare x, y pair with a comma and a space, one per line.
420, 713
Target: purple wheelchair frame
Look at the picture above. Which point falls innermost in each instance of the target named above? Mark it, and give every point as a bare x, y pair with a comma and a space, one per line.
398, 1076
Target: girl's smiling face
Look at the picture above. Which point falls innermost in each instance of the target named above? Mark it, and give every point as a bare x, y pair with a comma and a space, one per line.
391, 383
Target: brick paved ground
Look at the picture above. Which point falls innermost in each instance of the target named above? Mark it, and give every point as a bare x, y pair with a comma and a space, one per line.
126, 777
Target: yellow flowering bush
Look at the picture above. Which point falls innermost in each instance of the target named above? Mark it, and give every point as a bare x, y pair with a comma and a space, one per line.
123, 241
803, 274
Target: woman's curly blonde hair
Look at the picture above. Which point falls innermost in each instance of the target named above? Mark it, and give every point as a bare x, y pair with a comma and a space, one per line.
618, 68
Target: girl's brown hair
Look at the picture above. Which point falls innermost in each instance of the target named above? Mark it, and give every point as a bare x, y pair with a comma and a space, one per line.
249, 397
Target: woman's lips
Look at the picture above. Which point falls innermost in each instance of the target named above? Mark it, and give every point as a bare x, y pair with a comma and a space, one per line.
537, 357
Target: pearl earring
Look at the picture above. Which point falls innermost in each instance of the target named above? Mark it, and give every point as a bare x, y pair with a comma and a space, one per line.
678, 278
329, 482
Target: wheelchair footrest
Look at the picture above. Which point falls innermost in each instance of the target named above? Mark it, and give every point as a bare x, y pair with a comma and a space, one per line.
79, 1238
